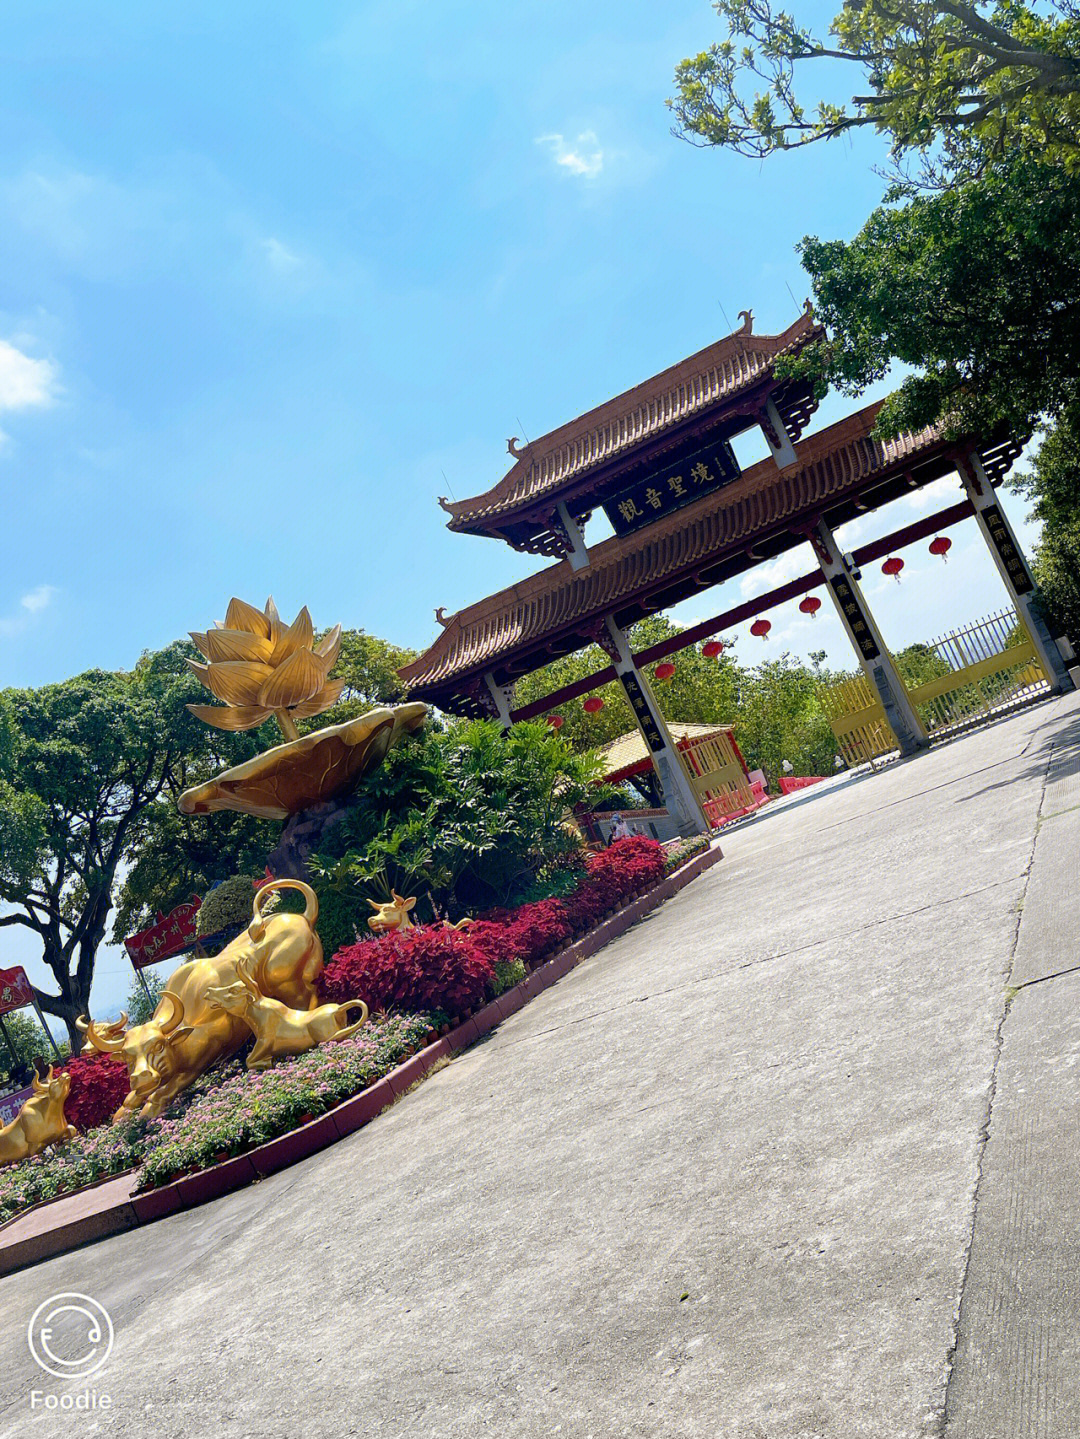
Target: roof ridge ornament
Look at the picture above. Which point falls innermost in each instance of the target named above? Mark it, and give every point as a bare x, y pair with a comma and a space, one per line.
512, 448
445, 504
747, 318
808, 308
443, 618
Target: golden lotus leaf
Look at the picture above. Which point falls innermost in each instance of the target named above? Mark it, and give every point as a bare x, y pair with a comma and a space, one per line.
291, 777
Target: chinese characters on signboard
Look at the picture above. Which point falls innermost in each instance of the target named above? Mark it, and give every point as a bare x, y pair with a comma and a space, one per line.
853, 614
643, 712
172, 934
998, 531
15, 989
669, 489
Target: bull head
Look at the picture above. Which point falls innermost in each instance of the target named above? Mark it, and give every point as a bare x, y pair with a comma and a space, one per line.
145, 1048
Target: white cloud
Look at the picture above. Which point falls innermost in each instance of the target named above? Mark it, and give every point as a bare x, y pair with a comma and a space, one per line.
582, 156
30, 604
38, 599
24, 381
279, 257
773, 573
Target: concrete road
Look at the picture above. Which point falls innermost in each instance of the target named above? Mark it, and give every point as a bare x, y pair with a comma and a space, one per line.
721, 1181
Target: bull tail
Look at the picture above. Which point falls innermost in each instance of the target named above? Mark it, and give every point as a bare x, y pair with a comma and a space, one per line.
342, 1011
311, 903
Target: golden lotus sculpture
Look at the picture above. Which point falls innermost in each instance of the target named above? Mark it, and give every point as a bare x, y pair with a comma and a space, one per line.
260, 668
40, 1122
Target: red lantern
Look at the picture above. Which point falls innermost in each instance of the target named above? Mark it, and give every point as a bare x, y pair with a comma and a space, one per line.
664, 671
761, 628
810, 606
941, 546
593, 705
712, 648
555, 721
893, 566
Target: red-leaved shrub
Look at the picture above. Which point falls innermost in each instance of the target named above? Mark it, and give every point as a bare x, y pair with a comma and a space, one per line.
423, 969
99, 1085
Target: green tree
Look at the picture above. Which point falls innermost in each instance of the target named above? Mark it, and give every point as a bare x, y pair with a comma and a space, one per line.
955, 82
140, 1005
27, 1038
86, 765
976, 288
1053, 482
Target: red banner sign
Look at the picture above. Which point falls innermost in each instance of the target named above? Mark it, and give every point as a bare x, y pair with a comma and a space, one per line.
15, 989
172, 934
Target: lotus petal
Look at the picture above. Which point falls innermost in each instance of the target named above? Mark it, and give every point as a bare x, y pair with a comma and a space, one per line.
298, 636
293, 682
321, 700
224, 644
237, 682
270, 610
201, 672
199, 641
329, 647
242, 616
232, 717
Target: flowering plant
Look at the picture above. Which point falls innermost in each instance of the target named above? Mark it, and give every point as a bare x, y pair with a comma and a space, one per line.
99, 1084
421, 969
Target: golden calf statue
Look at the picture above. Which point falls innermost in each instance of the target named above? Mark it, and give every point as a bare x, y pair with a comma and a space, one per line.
188, 1033
40, 1122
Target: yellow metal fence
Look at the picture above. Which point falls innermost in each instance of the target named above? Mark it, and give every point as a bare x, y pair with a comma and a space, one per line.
857, 719
717, 777
983, 669
967, 676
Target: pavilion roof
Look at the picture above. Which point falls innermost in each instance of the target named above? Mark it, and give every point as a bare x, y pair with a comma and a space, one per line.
704, 383
628, 753
723, 533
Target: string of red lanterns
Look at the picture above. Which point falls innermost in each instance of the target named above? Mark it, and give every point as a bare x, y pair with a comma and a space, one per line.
810, 606
760, 629
892, 567
664, 670
941, 545
556, 721
593, 705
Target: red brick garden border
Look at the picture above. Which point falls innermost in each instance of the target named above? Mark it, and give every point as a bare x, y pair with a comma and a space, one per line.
110, 1206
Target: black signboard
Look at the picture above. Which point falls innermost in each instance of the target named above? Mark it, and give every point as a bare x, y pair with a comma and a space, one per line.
669, 489
853, 613
643, 710
998, 531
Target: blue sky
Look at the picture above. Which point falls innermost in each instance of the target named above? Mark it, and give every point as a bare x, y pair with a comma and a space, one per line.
273, 277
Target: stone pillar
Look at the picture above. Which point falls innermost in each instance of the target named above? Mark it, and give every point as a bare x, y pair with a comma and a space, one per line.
776, 435
578, 555
870, 647
501, 698
679, 797
1014, 570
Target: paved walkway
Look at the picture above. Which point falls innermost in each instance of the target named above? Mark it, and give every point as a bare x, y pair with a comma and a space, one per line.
721, 1181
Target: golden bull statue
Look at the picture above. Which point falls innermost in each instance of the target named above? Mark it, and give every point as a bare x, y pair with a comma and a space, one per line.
39, 1122
189, 1033
280, 1031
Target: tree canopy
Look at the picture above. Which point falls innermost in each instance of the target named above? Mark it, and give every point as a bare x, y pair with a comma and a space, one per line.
955, 83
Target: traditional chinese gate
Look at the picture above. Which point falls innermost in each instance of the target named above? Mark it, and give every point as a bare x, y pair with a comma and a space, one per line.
985, 669
718, 777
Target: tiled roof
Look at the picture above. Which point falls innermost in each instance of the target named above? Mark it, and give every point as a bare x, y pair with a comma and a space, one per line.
630, 749
700, 383
834, 463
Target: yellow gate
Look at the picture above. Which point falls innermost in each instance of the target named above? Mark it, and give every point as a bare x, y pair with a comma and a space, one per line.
967, 676
987, 668
857, 718
717, 777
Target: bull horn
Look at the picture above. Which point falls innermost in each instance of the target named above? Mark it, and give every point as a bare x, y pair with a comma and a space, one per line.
36, 1084
311, 900
175, 1015
375, 904
106, 1038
